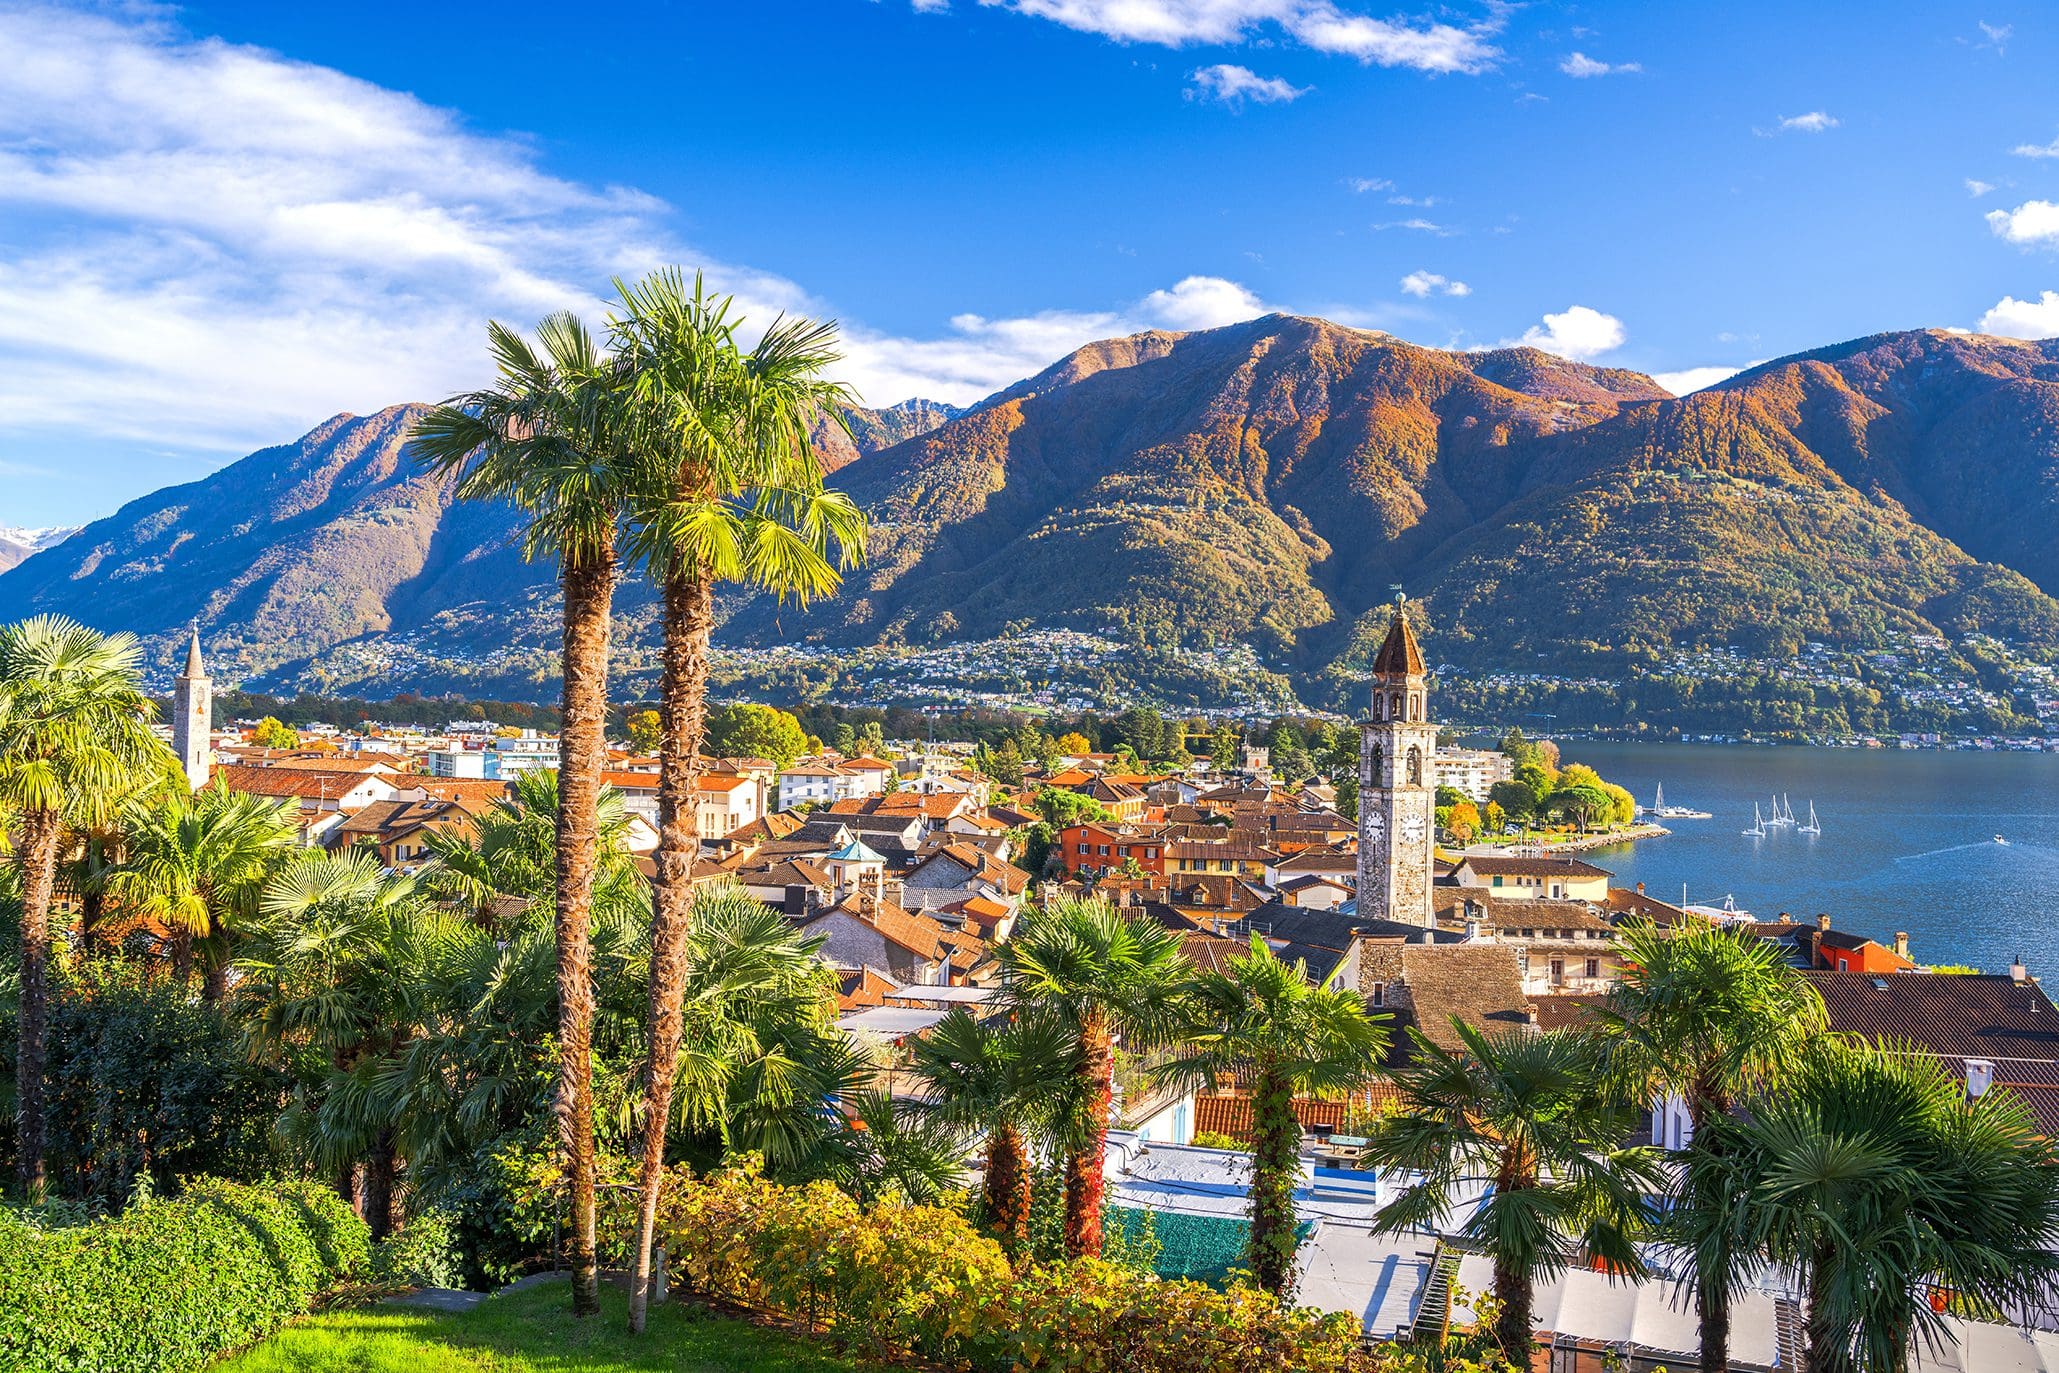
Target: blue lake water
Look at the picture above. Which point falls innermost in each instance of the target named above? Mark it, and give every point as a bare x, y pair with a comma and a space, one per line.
1908, 842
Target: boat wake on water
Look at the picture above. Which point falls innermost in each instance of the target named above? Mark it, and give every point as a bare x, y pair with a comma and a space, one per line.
1994, 845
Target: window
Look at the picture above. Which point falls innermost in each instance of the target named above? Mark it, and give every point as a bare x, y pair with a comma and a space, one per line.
1594, 967
1558, 970
1377, 994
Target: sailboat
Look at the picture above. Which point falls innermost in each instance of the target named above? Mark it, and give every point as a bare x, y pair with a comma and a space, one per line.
1814, 826
1778, 817
1758, 829
1661, 811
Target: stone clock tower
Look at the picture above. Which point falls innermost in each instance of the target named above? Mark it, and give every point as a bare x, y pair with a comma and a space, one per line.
1397, 785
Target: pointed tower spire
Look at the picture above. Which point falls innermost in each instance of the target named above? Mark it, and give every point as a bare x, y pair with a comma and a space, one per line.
193, 716
194, 668
1399, 656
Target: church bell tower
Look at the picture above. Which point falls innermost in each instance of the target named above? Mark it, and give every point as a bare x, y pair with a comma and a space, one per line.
1397, 785
193, 717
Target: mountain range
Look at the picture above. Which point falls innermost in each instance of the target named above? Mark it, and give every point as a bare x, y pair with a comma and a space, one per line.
1269, 482
18, 544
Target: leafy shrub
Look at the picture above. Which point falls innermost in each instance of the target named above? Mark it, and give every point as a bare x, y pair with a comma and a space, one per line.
1215, 1139
422, 1253
898, 1279
171, 1285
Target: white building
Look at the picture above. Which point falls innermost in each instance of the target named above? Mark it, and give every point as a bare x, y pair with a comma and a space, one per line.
1473, 771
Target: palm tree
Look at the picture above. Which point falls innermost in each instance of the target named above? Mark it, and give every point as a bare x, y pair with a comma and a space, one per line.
195, 864
1264, 1021
730, 490
551, 438
1005, 1079
1099, 974
1712, 1016
1525, 1114
74, 736
324, 976
510, 850
1874, 1178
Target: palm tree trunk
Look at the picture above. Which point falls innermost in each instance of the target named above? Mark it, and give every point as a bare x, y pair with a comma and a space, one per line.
689, 619
1512, 1329
1827, 1352
1712, 1289
1085, 1162
582, 744
92, 905
1275, 1166
1008, 1188
39, 835
378, 1192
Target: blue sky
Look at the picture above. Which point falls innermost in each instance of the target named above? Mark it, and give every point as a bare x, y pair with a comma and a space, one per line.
221, 222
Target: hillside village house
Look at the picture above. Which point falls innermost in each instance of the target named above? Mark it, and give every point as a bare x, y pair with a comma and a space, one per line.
823, 781
1552, 879
723, 803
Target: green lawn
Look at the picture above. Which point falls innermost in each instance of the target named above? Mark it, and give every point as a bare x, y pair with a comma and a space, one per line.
531, 1331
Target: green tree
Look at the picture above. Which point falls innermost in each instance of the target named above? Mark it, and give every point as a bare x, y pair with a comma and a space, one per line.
1225, 745
272, 733
728, 489
554, 437
1518, 800
1005, 1079
74, 739
1143, 729
324, 981
1874, 1176
195, 864
1528, 1112
1714, 1017
1581, 805
1061, 808
1003, 764
1097, 973
745, 730
1265, 1022
846, 739
645, 730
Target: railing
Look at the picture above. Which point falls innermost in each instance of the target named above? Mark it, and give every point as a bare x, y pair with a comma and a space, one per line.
1433, 1313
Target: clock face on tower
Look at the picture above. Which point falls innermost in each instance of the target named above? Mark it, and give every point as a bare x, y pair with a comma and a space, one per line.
1376, 824
1412, 829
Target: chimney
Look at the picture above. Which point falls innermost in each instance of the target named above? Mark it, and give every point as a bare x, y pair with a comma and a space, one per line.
1901, 943
1640, 889
1980, 1075
2017, 972
1822, 921
1530, 1015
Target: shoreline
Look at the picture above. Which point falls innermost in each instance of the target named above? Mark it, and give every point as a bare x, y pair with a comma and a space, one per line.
1578, 843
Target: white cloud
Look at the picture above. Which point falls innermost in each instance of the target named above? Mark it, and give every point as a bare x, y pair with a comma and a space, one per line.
1425, 201
1815, 121
1579, 65
212, 247
1419, 225
2031, 223
2013, 318
1995, 36
1233, 85
1692, 379
1977, 188
1365, 184
2037, 149
1317, 24
1425, 284
1579, 332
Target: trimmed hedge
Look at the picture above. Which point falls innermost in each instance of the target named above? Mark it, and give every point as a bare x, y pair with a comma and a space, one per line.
169, 1286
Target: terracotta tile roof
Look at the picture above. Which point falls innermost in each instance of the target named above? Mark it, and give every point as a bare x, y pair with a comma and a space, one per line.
1399, 654
778, 825
1498, 866
475, 792
298, 782
1212, 953
1481, 984
917, 934
1224, 1114
1979, 1015
1241, 850
858, 988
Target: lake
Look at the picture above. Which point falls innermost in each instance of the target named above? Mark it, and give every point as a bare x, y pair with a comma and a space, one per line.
1908, 842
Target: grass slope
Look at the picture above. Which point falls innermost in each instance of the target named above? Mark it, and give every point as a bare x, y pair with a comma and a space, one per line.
531, 1331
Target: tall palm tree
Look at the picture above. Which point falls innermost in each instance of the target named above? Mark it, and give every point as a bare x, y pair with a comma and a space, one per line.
1527, 1115
1264, 1021
325, 970
510, 850
1100, 974
74, 736
196, 862
551, 437
731, 491
1006, 1079
1712, 1016
1873, 1177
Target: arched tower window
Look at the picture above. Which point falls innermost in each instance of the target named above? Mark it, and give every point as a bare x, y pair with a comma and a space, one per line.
1379, 767
1415, 766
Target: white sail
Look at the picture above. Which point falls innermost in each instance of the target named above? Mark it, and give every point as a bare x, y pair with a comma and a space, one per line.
1814, 826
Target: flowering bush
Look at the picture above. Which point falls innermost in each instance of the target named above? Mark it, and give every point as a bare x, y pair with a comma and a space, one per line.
896, 1279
